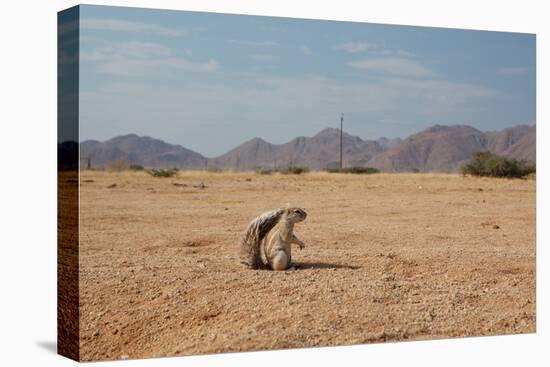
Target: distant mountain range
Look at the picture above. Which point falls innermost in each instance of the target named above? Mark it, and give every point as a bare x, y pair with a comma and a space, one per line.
445, 148
438, 148
139, 150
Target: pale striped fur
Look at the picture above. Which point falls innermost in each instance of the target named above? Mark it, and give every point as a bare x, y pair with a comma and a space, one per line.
255, 233
273, 229
278, 242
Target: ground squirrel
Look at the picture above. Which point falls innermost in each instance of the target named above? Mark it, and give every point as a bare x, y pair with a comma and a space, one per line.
274, 230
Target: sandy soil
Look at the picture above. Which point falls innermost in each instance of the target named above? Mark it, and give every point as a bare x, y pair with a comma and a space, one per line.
388, 257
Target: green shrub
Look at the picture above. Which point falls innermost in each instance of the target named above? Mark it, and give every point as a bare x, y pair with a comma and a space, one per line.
136, 167
162, 172
265, 171
291, 170
492, 165
354, 170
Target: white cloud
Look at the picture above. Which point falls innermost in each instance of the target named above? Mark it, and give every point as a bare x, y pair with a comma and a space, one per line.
514, 70
355, 47
141, 58
439, 93
147, 67
393, 66
404, 53
121, 25
306, 50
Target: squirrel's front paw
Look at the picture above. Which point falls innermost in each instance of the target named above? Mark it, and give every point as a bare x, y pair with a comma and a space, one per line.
302, 245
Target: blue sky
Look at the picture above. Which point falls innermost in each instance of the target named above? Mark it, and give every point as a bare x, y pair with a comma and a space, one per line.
212, 81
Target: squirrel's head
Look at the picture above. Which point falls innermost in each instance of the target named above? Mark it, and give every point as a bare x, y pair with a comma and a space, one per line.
295, 215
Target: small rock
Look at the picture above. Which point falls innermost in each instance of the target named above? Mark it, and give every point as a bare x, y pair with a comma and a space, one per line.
111, 186
496, 227
96, 333
200, 186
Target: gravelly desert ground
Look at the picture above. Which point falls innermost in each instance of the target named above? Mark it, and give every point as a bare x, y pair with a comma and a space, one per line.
388, 257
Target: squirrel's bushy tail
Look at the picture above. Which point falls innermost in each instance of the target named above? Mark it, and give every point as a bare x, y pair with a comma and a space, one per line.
255, 233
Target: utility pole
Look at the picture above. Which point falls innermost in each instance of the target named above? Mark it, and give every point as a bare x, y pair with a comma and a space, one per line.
341, 137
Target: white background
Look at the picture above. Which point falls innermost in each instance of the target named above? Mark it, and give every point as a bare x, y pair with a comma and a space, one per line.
28, 141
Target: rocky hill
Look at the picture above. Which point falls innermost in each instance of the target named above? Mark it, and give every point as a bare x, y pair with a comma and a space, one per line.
445, 148
144, 151
319, 151
439, 148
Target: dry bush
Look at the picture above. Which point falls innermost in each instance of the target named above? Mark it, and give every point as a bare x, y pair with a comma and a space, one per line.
354, 170
161, 172
492, 165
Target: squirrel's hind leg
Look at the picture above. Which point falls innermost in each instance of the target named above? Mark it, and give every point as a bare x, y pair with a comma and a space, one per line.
280, 261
